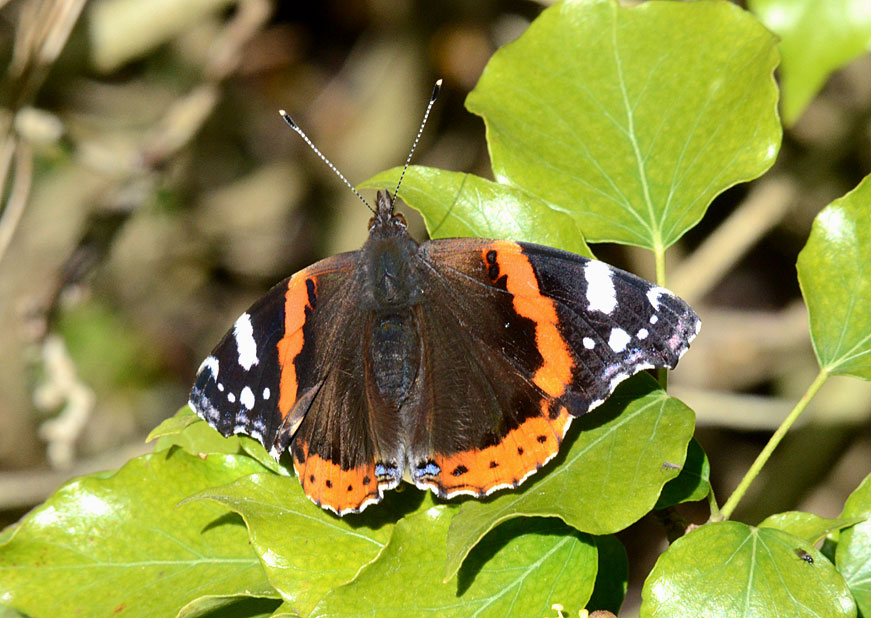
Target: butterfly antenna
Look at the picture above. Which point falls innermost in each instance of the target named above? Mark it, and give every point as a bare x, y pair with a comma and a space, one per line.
290, 122
435, 94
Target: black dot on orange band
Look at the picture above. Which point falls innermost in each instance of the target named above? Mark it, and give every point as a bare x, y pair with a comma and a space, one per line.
491, 256
311, 478
520, 450
542, 439
350, 488
460, 470
366, 480
494, 464
329, 484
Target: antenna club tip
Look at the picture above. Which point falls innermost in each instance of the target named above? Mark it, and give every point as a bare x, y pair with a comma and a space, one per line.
435, 90
288, 119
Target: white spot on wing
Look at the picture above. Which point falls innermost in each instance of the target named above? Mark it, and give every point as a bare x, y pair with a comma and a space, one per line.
266, 393
221, 387
642, 334
231, 397
601, 295
618, 339
589, 343
653, 295
246, 398
210, 363
654, 319
245, 344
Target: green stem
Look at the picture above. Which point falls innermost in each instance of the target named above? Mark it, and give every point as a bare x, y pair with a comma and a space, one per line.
659, 256
754, 470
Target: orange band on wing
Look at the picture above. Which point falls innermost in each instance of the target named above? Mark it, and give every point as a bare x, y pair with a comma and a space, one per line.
555, 374
341, 491
296, 299
507, 464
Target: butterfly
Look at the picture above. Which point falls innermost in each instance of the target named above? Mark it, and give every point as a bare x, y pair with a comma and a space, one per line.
456, 364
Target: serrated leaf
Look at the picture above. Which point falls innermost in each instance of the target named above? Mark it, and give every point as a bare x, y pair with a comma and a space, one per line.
120, 546
729, 569
816, 38
694, 481
612, 575
834, 271
853, 555
807, 526
520, 569
632, 119
305, 550
455, 204
609, 476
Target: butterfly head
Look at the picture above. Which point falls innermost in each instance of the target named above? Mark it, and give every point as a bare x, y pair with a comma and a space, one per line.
385, 220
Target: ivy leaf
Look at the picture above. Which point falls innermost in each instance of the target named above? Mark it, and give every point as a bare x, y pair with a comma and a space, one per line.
520, 569
807, 526
187, 430
834, 271
454, 204
117, 545
730, 569
607, 478
694, 481
816, 38
632, 119
305, 551
853, 555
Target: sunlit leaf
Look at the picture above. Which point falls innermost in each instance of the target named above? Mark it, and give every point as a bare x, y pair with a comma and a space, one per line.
121, 545
729, 569
834, 271
520, 569
632, 119
853, 555
816, 38
459, 205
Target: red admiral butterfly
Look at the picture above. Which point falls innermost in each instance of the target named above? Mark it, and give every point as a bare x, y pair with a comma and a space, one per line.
456, 364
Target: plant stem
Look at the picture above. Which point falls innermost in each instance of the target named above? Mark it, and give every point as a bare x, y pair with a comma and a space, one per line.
659, 256
754, 470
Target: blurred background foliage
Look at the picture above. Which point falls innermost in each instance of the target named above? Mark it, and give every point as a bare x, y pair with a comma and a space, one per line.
150, 193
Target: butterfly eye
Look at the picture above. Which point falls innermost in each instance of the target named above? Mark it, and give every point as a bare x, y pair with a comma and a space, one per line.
371, 222
401, 219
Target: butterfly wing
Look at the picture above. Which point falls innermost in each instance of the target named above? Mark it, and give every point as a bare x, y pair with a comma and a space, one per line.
290, 373
530, 337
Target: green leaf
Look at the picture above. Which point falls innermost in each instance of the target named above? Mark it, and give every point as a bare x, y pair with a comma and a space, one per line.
729, 569
121, 545
305, 550
816, 38
807, 526
853, 555
230, 607
694, 481
520, 569
834, 271
188, 431
632, 119
612, 576
172, 426
608, 477
454, 204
